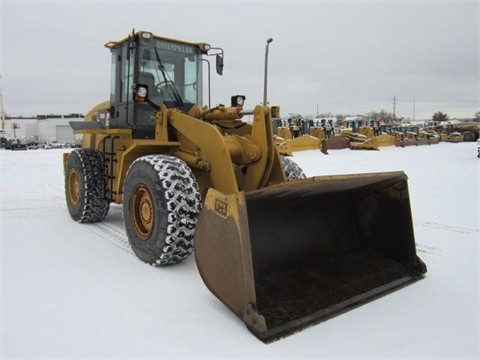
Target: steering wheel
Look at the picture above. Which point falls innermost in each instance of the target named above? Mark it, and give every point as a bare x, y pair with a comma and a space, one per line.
162, 85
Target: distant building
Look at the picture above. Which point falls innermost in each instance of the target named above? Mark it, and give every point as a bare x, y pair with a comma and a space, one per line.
42, 128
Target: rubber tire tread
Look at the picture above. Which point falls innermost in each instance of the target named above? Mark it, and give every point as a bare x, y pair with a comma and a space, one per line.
292, 170
177, 204
92, 205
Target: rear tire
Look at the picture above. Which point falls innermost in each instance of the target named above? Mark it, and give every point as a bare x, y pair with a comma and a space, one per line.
292, 170
161, 203
86, 186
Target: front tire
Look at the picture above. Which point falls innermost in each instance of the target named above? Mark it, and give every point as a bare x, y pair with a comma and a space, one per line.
161, 203
86, 186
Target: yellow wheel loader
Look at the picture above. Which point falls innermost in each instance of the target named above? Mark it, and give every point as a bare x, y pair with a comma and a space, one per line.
280, 250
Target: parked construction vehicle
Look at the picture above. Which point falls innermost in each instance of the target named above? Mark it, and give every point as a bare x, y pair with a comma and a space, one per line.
359, 140
280, 254
408, 135
455, 131
293, 138
470, 130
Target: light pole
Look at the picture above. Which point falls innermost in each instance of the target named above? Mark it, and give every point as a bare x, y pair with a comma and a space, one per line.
2, 112
266, 72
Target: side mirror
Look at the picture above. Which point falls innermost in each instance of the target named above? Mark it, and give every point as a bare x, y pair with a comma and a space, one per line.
219, 64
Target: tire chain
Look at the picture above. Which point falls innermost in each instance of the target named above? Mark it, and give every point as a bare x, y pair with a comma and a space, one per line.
96, 206
292, 169
183, 202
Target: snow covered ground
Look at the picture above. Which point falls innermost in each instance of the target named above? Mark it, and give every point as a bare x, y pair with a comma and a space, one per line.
77, 291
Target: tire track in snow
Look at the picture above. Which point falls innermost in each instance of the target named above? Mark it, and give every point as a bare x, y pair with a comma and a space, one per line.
116, 236
37, 209
451, 228
427, 249
30, 211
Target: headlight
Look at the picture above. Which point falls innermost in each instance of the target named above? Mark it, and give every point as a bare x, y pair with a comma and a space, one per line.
142, 91
238, 100
146, 35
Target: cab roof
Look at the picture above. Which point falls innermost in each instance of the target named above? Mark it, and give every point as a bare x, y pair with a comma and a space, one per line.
149, 35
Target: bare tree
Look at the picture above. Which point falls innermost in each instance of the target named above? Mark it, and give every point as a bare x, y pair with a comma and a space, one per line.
439, 116
380, 116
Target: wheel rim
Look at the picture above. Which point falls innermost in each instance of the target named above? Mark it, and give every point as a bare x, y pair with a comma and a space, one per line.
141, 207
73, 187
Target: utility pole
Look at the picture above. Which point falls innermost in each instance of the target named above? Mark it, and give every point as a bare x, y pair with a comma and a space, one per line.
266, 72
394, 103
2, 112
413, 109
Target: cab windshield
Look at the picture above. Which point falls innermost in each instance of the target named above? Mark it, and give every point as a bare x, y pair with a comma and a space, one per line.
170, 70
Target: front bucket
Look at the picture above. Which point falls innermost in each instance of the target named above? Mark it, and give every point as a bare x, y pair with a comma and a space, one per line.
292, 255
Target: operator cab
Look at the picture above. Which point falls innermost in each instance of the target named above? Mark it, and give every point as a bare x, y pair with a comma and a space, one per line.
149, 71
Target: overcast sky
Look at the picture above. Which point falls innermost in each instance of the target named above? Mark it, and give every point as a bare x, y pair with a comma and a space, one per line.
344, 57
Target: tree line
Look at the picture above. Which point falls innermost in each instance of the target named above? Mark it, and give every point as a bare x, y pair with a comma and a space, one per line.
386, 117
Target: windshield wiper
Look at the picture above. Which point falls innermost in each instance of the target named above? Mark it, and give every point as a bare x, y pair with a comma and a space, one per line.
169, 84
